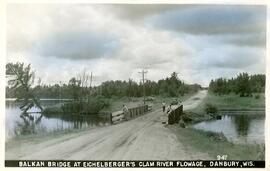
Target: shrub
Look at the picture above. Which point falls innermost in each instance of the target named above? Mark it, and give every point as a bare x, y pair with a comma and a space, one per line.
257, 96
209, 108
92, 106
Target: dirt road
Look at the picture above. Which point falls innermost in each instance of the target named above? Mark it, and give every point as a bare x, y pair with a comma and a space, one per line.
143, 138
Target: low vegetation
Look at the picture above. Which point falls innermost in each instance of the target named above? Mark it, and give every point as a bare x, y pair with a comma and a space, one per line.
92, 105
230, 101
216, 144
209, 108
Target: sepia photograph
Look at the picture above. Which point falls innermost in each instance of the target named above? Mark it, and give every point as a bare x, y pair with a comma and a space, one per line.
135, 85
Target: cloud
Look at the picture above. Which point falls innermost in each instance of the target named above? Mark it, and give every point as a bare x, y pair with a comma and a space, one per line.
246, 40
115, 41
151, 48
77, 45
231, 59
213, 20
227, 57
131, 12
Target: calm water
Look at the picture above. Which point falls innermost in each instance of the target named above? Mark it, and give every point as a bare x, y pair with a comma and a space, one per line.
238, 128
17, 124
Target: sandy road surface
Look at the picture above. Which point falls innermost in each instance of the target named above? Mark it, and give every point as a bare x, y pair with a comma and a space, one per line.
143, 138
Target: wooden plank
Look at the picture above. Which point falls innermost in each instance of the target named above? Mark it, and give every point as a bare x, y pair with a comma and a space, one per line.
149, 107
117, 113
115, 118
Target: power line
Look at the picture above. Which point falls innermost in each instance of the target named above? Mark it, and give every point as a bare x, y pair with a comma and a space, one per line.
143, 72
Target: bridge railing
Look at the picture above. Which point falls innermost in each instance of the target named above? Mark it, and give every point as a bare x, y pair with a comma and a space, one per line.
175, 114
119, 116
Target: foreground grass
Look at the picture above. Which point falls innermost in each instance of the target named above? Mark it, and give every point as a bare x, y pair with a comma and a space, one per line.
230, 101
207, 142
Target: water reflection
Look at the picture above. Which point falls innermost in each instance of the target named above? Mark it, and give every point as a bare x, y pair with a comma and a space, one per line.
239, 128
28, 124
242, 124
35, 123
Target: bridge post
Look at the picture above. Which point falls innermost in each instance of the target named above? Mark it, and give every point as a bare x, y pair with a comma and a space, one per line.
174, 115
110, 115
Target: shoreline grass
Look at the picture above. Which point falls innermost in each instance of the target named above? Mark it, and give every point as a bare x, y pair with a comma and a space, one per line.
215, 144
208, 142
230, 101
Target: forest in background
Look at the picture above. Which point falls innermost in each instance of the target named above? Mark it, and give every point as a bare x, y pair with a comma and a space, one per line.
78, 87
243, 85
23, 85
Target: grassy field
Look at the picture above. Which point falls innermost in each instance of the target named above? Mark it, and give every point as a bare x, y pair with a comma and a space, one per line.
212, 144
231, 101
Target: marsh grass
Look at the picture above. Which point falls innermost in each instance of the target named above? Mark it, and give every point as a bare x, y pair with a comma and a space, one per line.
216, 144
231, 101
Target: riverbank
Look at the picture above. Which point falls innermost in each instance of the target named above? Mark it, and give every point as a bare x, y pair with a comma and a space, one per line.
231, 102
216, 144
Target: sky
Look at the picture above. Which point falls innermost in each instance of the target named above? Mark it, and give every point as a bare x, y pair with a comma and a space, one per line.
116, 41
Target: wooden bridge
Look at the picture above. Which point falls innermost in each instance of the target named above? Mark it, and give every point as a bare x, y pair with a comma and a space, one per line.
174, 115
119, 116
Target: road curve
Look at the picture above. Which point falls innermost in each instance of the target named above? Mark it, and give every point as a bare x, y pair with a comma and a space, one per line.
142, 138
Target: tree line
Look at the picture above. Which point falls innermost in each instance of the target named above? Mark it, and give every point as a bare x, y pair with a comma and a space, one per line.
170, 87
23, 85
244, 85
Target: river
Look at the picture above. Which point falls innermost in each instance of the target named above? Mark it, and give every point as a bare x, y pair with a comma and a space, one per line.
237, 128
34, 123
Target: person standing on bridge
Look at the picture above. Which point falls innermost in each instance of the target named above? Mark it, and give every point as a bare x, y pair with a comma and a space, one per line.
169, 108
125, 111
163, 106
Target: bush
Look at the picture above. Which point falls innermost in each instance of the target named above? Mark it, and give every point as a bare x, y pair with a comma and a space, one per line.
209, 108
92, 106
257, 96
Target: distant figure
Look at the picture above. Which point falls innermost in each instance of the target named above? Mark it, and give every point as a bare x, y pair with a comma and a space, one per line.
169, 108
125, 110
163, 106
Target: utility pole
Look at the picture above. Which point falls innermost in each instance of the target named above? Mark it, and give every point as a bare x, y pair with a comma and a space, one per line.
143, 72
91, 79
60, 92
